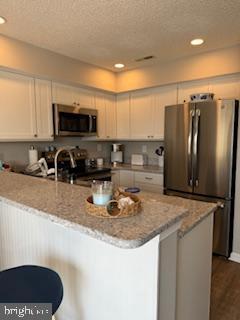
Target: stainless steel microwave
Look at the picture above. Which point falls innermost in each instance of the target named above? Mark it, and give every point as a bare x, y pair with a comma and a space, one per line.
74, 121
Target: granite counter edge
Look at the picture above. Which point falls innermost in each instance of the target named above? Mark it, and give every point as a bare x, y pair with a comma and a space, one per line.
93, 233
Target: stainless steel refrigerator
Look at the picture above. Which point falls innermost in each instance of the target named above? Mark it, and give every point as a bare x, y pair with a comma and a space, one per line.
200, 159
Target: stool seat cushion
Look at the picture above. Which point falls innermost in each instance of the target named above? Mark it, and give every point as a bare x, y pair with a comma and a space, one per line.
31, 284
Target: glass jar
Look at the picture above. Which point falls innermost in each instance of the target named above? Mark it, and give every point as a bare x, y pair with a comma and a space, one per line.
102, 192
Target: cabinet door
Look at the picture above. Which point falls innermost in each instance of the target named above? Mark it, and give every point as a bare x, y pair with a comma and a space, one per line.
225, 87
44, 109
123, 116
18, 114
111, 122
126, 178
115, 178
141, 115
163, 96
101, 122
62, 94
188, 88
84, 98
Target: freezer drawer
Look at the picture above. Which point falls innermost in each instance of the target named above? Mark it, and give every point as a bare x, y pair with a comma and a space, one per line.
222, 230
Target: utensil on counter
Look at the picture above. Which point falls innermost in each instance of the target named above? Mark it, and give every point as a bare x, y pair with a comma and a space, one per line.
160, 152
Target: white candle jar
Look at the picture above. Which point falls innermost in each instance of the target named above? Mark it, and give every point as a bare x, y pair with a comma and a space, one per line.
102, 192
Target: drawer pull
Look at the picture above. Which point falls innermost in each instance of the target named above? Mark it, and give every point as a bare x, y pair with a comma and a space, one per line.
148, 178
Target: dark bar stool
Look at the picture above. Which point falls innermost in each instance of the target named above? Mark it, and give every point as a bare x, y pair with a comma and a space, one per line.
31, 284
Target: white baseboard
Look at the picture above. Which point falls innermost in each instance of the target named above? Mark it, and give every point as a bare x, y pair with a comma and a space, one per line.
235, 257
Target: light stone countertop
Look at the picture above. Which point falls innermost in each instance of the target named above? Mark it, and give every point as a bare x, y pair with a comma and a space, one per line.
145, 168
197, 210
64, 204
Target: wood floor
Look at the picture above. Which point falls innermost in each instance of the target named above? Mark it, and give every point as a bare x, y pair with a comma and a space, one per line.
225, 298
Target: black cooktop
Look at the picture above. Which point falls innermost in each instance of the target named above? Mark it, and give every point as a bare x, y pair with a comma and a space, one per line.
87, 171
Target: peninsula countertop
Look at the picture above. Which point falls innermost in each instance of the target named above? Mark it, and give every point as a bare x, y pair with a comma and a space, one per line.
64, 204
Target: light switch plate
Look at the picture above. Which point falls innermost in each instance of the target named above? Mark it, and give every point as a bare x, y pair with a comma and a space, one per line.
99, 147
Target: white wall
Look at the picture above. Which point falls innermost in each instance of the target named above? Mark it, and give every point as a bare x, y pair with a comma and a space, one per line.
200, 66
25, 58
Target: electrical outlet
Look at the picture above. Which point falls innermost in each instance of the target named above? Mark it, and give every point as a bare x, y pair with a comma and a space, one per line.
144, 149
99, 147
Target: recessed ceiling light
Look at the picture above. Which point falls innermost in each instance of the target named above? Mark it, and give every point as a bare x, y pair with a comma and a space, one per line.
2, 20
197, 42
119, 65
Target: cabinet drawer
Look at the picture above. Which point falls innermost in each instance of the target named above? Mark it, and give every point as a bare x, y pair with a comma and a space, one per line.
147, 187
151, 178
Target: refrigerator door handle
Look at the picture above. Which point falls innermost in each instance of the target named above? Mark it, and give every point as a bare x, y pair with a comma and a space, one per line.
190, 139
195, 148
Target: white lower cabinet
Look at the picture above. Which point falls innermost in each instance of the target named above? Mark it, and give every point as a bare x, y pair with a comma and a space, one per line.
194, 269
126, 178
151, 182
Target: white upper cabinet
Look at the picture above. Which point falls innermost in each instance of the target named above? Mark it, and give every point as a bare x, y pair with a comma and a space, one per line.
62, 94
123, 116
84, 98
106, 107
163, 96
43, 94
74, 96
111, 122
17, 103
188, 88
101, 117
147, 111
141, 114
225, 87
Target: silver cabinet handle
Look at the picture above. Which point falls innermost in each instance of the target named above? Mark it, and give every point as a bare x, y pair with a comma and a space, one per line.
190, 138
195, 147
90, 123
148, 178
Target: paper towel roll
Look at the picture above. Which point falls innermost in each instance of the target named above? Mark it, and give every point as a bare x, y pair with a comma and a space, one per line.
32, 155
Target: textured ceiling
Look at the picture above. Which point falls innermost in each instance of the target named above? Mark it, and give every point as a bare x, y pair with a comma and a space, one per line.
103, 32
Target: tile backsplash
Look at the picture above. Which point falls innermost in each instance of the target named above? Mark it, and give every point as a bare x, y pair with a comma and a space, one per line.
142, 147
16, 153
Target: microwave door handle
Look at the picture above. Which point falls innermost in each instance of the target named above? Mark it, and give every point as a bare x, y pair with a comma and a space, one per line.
190, 138
90, 123
195, 147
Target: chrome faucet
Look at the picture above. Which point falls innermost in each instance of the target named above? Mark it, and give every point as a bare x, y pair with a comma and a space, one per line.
72, 161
